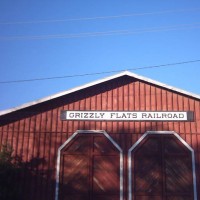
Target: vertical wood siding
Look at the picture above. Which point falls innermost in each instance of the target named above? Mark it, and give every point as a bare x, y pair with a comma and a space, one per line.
35, 133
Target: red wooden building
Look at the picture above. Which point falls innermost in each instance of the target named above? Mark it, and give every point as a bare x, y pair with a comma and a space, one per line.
124, 137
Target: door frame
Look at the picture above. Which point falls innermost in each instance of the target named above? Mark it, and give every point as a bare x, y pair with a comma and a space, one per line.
85, 132
160, 132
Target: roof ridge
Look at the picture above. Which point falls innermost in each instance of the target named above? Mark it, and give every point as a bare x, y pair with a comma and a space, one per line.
123, 73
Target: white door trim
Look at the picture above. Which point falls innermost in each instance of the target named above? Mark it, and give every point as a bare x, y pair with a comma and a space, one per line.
70, 139
160, 132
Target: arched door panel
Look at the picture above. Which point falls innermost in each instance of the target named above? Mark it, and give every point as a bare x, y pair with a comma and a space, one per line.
161, 167
90, 168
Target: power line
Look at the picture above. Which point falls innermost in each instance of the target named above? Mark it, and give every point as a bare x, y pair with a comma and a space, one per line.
100, 17
98, 73
105, 33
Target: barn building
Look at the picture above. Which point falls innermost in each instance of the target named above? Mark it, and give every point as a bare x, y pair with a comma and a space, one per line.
124, 137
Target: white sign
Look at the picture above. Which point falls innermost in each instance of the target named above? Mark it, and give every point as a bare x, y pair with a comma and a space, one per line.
127, 115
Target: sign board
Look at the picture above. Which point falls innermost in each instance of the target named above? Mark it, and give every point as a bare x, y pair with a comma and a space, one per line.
127, 115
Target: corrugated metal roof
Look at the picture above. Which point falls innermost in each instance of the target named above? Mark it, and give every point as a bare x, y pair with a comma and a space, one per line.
127, 73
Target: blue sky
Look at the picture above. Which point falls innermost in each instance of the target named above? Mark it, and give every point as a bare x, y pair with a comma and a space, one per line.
37, 40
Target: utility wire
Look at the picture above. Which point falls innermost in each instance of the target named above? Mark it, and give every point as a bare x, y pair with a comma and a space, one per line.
105, 33
98, 73
100, 17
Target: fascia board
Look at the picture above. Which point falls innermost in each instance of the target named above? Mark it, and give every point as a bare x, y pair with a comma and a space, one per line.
133, 75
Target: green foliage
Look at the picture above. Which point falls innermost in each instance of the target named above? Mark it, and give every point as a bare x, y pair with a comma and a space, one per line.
6, 155
9, 171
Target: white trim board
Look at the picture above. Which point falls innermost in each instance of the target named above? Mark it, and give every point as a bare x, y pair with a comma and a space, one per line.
125, 73
85, 132
160, 132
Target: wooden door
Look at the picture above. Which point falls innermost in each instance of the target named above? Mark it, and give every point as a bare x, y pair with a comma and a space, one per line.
89, 169
161, 169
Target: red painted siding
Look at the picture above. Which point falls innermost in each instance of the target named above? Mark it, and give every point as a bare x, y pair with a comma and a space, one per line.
36, 132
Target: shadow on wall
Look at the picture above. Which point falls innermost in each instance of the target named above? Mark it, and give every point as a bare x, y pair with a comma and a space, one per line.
28, 180
19, 180
35, 179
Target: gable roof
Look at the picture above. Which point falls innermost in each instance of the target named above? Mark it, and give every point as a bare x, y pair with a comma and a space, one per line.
125, 73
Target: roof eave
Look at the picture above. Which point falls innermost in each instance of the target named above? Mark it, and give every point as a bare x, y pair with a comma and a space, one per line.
4, 112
